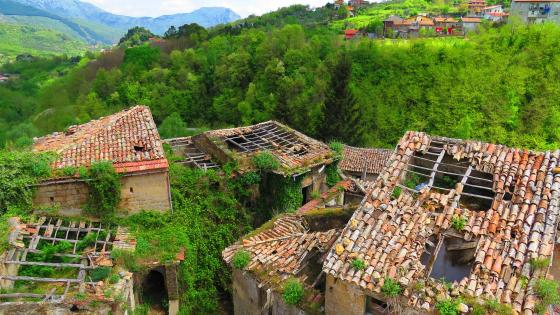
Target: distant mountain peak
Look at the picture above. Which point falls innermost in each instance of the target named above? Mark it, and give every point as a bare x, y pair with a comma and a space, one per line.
87, 12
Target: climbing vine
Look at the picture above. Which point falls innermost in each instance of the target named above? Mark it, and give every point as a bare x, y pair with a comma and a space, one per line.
104, 189
290, 196
19, 171
333, 177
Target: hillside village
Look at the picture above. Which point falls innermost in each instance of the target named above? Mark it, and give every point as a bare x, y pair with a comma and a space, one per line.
434, 223
427, 24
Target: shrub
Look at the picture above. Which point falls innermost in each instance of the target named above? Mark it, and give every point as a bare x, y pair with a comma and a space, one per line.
391, 288
104, 189
241, 259
539, 263
266, 161
337, 147
396, 193
100, 273
358, 264
459, 223
316, 195
333, 177
114, 279
547, 290
68, 171
293, 292
447, 307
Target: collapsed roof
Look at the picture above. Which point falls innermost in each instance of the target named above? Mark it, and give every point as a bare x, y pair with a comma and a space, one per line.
508, 198
294, 150
129, 139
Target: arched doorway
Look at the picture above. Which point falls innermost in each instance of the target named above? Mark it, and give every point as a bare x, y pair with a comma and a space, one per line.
154, 292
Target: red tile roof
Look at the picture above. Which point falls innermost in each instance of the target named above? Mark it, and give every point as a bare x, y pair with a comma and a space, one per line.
285, 248
371, 161
389, 234
471, 19
326, 196
129, 139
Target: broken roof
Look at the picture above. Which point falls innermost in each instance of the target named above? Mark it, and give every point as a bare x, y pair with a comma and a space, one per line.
128, 138
293, 149
390, 232
362, 160
285, 248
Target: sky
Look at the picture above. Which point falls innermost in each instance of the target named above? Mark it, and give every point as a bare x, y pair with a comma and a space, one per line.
155, 8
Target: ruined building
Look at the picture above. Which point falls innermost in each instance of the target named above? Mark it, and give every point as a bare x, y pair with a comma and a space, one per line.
130, 140
301, 158
446, 218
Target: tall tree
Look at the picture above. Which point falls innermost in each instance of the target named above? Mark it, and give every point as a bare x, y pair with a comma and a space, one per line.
343, 119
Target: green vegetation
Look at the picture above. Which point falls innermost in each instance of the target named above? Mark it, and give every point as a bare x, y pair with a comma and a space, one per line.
333, 177
539, 263
458, 223
337, 147
136, 36
397, 191
290, 196
547, 291
18, 172
448, 307
391, 288
241, 259
104, 189
412, 180
99, 274
293, 292
358, 264
266, 161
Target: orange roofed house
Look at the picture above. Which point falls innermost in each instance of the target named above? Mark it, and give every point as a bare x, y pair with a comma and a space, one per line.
130, 140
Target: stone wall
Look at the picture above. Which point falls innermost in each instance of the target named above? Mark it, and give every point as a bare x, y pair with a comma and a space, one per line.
138, 192
145, 192
342, 297
246, 294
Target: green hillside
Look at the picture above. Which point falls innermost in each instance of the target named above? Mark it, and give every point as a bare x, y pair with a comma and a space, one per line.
23, 39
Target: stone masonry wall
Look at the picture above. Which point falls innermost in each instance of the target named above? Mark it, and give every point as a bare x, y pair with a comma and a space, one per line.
342, 297
138, 192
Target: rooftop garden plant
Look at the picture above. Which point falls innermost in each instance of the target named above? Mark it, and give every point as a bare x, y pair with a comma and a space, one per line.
266, 161
293, 292
241, 259
358, 264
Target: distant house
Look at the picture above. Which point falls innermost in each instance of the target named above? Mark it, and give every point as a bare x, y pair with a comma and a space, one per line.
470, 23
351, 34
446, 25
130, 141
364, 163
494, 13
357, 3
4, 78
536, 11
391, 24
418, 23
476, 7
338, 4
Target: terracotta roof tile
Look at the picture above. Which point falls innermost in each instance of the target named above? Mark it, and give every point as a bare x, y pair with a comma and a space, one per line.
389, 235
370, 161
285, 248
129, 139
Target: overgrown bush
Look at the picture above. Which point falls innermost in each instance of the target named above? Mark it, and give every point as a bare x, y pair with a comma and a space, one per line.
547, 291
241, 259
290, 196
266, 161
447, 307
100, 273
539, 263
396, 193
337, 147
333, 177
104, 189
18, 172
391, 288
293, 292
358, 264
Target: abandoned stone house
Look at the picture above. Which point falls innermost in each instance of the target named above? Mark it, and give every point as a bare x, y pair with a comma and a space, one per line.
505, 198
300, 157
364, 163
130, 140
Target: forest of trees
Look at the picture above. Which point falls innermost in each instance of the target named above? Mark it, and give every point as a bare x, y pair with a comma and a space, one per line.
497, 85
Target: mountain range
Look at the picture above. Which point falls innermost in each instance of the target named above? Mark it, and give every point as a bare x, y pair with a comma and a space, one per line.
89, 23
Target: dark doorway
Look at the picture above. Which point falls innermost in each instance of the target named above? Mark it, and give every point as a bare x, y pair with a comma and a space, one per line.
307, 194
154, 292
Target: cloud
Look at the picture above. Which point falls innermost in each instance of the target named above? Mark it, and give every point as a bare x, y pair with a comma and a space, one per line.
157, 8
